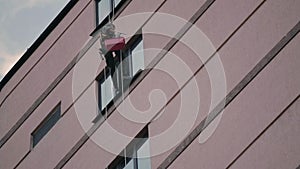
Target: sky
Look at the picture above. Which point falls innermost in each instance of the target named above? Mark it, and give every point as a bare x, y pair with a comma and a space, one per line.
21, 23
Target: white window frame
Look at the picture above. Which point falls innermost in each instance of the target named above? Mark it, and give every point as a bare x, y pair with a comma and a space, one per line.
109, 95
100, 19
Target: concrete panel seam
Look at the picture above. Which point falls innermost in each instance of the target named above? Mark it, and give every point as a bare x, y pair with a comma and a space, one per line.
264, 130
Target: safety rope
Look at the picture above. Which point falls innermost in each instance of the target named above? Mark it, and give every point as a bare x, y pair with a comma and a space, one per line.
111, 18
122, 78
104, 94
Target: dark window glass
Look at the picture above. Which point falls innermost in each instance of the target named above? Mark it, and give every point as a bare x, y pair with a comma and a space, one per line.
46, 125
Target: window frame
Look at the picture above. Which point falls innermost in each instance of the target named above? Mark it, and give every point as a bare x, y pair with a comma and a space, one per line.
105, 74
106, 18
53, 113
128, 52
110, 14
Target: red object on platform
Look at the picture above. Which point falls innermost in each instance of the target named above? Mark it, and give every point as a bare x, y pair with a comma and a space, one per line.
115, 44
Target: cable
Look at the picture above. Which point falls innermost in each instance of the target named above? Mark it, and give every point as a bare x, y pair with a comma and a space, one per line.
113, 10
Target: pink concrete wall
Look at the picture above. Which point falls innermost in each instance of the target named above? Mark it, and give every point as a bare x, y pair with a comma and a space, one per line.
98, 157
278, 147
60, 139
20, 141
270, 92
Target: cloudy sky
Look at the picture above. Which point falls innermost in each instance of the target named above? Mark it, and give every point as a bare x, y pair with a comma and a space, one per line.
21, 23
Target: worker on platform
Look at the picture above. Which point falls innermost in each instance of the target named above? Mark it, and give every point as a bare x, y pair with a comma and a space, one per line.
112, 58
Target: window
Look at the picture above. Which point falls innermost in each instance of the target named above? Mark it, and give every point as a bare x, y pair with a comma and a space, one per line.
45, 126
133, 61
129, 64
136, 155
104, 8
106, 90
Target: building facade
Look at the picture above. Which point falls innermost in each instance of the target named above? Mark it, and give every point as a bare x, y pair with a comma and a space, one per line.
199, 84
